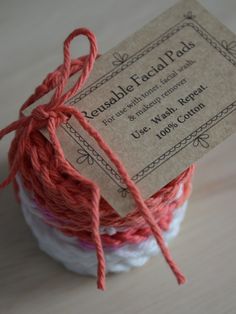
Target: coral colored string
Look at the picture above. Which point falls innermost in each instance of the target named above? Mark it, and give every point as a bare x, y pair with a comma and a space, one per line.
50, 116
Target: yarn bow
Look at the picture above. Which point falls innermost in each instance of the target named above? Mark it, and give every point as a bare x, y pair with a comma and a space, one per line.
49, 116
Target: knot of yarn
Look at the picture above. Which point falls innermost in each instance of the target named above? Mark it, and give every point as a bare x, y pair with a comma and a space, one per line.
41, 114
46, 116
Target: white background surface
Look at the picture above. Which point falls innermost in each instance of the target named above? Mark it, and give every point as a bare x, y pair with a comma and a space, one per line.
31, 37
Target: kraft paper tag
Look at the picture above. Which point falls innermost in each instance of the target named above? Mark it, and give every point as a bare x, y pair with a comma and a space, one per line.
161, 99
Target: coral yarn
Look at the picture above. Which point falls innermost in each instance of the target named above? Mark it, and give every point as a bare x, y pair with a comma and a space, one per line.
71, 202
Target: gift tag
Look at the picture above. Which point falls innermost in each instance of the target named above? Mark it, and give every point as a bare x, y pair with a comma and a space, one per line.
161, 99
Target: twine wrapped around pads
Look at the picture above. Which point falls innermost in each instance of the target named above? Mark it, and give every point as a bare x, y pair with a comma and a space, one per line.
70, 202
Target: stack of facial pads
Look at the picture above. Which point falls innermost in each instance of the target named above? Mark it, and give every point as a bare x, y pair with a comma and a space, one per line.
125, 246
65, 210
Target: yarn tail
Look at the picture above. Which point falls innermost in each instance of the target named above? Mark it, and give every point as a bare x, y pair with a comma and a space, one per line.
95, 217
181, 279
